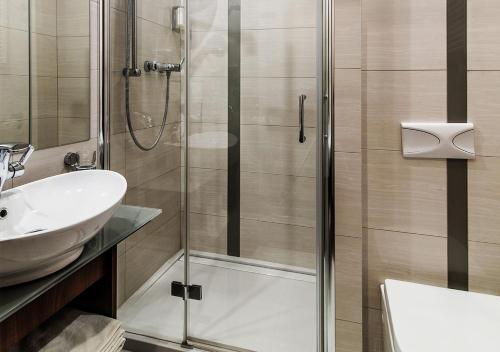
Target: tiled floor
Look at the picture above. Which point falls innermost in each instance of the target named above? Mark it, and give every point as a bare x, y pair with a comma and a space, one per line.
255, 308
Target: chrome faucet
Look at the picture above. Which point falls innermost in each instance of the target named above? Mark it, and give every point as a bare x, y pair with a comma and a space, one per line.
162, 67
10, 169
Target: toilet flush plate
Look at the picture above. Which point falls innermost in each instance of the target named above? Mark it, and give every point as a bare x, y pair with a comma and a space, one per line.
438, 140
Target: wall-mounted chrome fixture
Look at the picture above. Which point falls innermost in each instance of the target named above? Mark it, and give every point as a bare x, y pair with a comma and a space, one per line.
177, 18
11, 169
438, 140
302, 99
132, 70
72, 161
162, 67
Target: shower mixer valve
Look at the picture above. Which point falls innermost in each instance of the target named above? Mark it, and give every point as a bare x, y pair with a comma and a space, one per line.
162, 67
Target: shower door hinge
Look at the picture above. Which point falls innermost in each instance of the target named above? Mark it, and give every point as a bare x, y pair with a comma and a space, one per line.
178, 289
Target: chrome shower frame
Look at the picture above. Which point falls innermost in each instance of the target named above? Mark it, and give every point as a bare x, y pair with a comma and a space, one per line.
325, 182
325, 158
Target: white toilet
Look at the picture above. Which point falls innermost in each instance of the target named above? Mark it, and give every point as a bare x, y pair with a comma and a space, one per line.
422, 318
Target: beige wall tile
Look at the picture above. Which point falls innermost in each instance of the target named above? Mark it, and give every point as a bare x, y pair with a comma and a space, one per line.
289, 156
208, 100
348, 283
348, 336
94, 103
403, 256
73, 129
147, 256
117, 152
208, 145
483, 29
117, 103
43, 55
120, 280
208, 233
393, 97
118, 40
404, 35
348, 206
262, 14
347, 34
148, 101
484, 200
278, 243
13, 130
143, 166
348, 110
484, 268
208, 191
372, 331
484, 104
275, 101
162, 192
43, 97
94, 36
73, 17
156, 42
73, 97
293, 53
73, 57
278, 198
209, 54
14, 95
14, 14
164, 238
159, 12
43, 16
209, 15
406, 195
44, 132
14, 56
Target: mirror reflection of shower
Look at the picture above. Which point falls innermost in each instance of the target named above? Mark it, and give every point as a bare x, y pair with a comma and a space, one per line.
133, 71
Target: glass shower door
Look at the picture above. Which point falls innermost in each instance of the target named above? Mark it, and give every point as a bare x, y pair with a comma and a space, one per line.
251, 173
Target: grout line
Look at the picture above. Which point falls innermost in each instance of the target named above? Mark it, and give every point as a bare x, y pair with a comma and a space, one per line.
152, 233
259, 220
350, 236
346, 152
248, 124
17, 29
253, 172
349, 321
485, 242
405, 232
401, 70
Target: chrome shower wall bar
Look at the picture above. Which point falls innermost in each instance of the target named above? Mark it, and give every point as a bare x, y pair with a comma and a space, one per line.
133, 70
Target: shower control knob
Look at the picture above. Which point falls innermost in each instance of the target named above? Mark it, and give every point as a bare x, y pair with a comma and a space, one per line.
132, 72
150, 66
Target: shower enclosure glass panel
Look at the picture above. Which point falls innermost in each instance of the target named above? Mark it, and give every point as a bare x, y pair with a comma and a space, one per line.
251, 173
235, 171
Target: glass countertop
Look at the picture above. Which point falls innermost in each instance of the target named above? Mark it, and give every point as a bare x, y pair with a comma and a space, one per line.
126, 220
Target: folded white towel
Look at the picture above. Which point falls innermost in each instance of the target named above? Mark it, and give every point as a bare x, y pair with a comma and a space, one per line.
76, 331
115, 343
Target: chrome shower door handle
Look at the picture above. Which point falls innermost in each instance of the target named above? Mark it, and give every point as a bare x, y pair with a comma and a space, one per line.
302, 137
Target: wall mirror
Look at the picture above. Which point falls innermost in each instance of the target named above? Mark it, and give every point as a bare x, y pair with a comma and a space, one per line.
45, 71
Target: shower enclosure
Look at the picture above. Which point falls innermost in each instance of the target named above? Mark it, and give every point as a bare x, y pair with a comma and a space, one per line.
241, 257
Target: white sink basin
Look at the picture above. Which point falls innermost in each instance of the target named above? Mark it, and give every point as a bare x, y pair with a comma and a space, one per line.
49, 221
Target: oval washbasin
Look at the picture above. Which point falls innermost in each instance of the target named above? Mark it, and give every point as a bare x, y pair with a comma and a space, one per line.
46, 223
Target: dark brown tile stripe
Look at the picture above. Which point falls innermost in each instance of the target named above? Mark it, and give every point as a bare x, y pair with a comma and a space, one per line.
458, 266
233, 167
